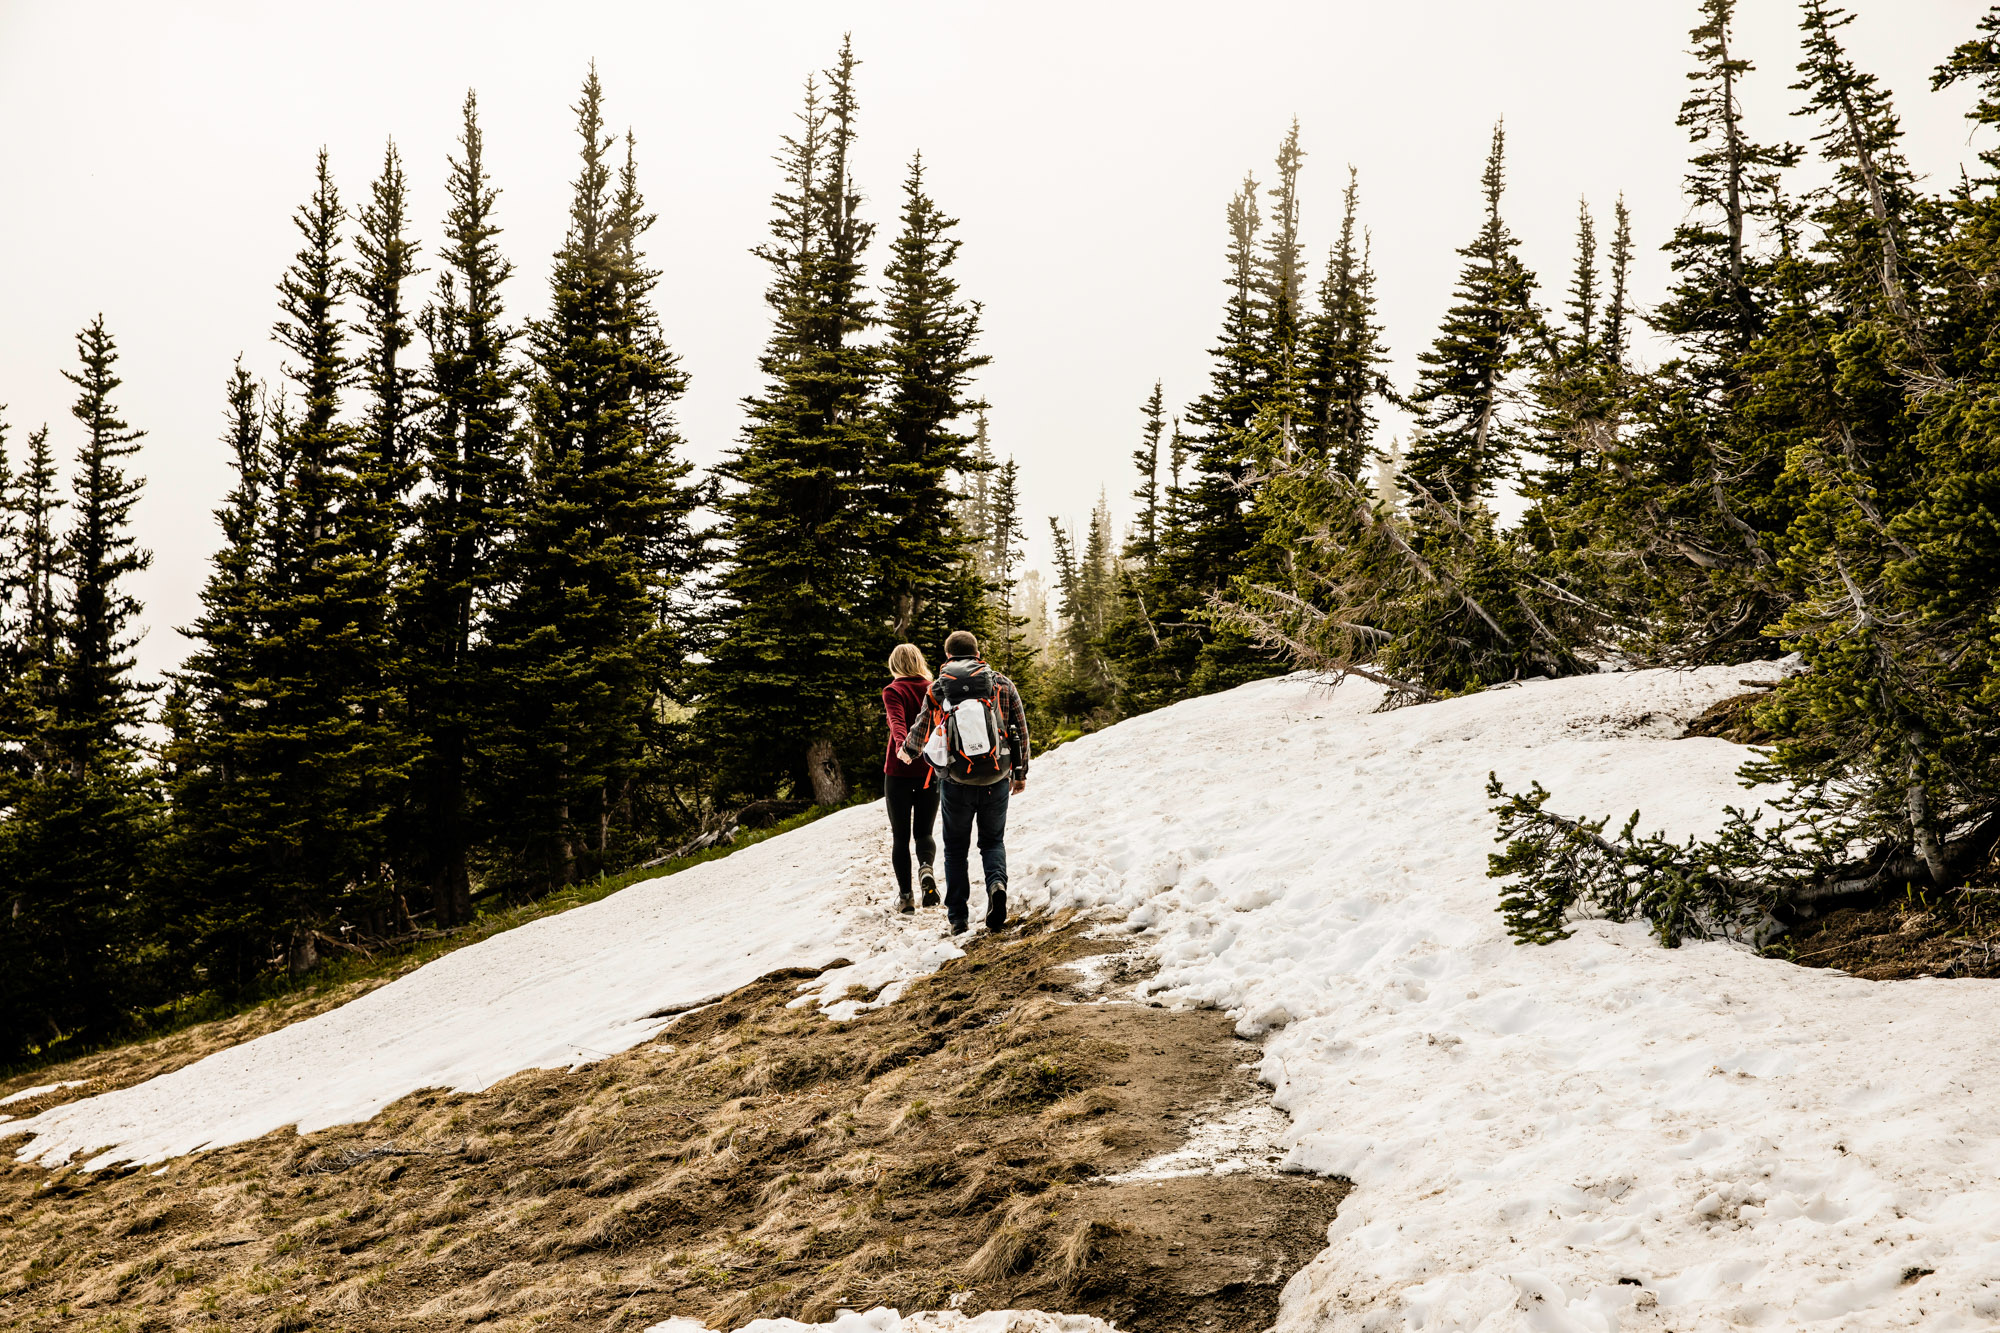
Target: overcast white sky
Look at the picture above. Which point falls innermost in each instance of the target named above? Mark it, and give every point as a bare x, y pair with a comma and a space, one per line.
152, 154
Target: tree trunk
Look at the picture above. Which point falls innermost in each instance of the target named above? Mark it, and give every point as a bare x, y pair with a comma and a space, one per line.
829, 785
301, 953
451, 889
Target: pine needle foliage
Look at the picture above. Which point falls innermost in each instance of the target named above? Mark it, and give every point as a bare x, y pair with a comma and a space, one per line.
785, 687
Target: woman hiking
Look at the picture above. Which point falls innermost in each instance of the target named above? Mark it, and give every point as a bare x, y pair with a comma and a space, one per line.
911, 796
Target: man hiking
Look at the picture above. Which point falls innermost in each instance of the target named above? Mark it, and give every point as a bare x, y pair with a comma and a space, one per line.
975, 734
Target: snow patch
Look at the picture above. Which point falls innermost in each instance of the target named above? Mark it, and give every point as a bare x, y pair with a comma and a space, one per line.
1247, 1138
25, 1093
884, 1320
555, 993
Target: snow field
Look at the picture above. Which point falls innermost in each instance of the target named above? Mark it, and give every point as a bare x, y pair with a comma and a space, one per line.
1533, 1130
557, 992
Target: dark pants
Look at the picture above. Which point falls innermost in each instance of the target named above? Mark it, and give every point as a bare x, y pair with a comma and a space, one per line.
912, 810
963, 805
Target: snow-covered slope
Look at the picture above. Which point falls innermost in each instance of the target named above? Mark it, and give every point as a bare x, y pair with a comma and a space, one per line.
560, 991
1531, 1130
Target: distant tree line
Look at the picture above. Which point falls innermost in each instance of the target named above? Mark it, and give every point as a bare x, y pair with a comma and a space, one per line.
477, 630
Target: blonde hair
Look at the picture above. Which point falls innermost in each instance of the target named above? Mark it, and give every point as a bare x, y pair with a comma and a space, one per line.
908, 660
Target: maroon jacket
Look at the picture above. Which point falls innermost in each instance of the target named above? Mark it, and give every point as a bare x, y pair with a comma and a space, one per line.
903, 704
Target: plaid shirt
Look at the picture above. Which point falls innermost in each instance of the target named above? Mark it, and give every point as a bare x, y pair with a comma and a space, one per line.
1012, 716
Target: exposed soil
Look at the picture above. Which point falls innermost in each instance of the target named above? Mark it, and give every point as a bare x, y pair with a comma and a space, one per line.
753, 1160
1733, 719
1896, 938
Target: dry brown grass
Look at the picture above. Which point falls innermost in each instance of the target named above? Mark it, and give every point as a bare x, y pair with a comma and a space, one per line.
754, 1160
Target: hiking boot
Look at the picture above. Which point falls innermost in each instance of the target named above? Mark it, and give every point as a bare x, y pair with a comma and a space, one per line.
903, 901
960, 927
926, 878
996, 905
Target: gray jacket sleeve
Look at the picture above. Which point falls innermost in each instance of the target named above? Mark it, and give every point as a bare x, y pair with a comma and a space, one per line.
1017, 728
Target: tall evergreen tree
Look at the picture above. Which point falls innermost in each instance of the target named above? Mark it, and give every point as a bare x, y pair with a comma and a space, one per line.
974, 507
1697, 495
100, 702
1216, 501
217, 758
35, 560
1576, 380
1007, 644
1144, 545
787, 679
1463, 393
1343, 352
1617, 311
13, 581
1280, 283
676, 555
925, 580
387, 377
580, 637
76, 839
470, 461
319, 737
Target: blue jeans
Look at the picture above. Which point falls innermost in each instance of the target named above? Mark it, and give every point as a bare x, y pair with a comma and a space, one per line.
963, 804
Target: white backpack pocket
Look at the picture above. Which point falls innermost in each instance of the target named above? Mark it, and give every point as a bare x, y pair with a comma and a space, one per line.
935, 748
975, 738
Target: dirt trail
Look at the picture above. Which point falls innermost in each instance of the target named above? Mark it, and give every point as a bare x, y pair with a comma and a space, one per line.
1015, 1131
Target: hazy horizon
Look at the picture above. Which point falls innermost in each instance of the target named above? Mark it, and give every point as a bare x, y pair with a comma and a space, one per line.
158, 154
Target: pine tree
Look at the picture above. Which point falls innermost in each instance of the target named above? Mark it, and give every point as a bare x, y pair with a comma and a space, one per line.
1616, 311
1144, 545
1161, 648
1008, 645
1343, 352
13, 580
787, 680
322, 738
1716, 301
1280, 280
1174, 515
1098, 579
387, 378
470, 460
923, 581
1697, 496
1575, 381
974, 508
34, 641
100, 703
580, 640
676, 558
1216, 503
1082, 687
1870, 206
1463, 391
75, 846
218, 776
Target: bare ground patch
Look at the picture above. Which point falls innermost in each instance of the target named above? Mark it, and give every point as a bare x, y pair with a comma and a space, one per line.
1900, 937
754, 1160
